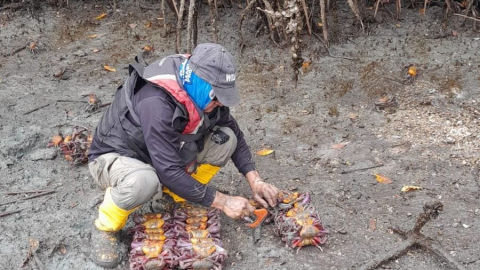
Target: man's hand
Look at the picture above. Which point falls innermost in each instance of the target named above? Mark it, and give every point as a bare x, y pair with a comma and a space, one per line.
264, 193
234, 207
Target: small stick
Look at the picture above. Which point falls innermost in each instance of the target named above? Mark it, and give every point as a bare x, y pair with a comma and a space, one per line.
105, 104
305, 10
4, 214
66, 100
25, 192
28, 198
17, 50
36, 109
362, 169
466, 17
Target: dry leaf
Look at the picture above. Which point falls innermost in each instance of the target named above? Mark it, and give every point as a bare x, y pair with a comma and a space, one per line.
455, 33
108, 68
34, 244
340, 145
410, 188
96, 50
147, 49
320, 24
422, 11
62, 249
101, 16
382, 179
306, 64
373, 224
265, 152
93, 36
353, 116
133, 25
148, 25
398, 25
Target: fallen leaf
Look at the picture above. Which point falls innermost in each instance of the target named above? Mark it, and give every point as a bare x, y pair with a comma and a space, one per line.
353, 116
108, 68
306, 64
34, 243
101, 16
422, 11
455, 33
410, 188
133, 25
62, 249
148, 25
320, 24
372, 224
147, 49
96, 50
93, 36
340, 145
265, 152
398, 25
382, 179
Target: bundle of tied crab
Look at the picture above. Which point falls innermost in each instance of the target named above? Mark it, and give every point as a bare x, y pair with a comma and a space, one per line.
74, 147
297, 222
187, 238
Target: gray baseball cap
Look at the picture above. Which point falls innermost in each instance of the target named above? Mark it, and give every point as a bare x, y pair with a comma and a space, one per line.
215, 64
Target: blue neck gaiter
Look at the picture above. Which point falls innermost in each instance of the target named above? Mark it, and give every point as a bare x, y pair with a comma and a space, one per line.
199, 90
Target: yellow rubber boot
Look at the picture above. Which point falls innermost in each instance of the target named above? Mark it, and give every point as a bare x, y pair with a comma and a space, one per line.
106, 248
204, 174
111, 218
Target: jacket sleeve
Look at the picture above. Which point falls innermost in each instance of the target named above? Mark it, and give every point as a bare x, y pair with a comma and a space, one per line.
242, 157
155, 114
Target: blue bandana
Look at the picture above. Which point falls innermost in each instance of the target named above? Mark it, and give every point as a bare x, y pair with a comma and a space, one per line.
199, 90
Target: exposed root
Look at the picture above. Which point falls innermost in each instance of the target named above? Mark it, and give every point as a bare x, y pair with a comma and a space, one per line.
305, 11
190, 24
164, 19
178, 44
213, 18
323, 16
356, 11
242, 17
415, 238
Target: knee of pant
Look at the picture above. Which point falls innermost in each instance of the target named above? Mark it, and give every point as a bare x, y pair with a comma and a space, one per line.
137, 190
232, 141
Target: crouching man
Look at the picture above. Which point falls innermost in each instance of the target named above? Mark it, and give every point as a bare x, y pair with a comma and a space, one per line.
169, 129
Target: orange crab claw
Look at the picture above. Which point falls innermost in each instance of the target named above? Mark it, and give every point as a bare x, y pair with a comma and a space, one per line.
260, 215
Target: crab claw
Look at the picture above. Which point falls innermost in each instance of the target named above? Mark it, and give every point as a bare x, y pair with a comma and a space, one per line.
260, 215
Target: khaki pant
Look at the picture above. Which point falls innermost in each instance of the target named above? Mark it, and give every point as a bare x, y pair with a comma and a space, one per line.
134, 183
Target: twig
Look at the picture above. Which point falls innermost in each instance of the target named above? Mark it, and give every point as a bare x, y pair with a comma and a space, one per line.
25, 192
362, 169
17, 50
13, 6
104, 104
415, 237
29, 197
328, 50
75, 101
466, 17
36, 109
4, 214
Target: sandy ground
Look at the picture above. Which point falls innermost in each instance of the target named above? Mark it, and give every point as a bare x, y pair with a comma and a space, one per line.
430, 140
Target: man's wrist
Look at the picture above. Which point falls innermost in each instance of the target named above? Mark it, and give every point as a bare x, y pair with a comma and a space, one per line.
219, 200
253, 177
